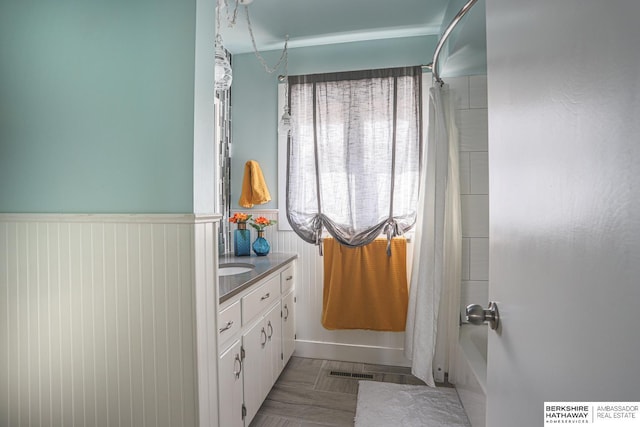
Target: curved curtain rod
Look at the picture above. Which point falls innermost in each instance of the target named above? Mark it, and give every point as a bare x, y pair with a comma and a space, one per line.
445, 36
436, 54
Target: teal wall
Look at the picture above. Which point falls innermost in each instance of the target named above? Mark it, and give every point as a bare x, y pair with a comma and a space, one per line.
96, 106
254, 95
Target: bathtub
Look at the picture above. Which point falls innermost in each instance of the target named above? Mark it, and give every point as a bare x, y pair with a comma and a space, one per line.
471, 372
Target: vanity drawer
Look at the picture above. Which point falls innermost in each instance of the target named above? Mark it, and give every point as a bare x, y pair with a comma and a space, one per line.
287, 279
258, 300
229, 322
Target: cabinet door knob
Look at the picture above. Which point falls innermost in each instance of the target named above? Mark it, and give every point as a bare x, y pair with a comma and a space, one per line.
227, 326
237, 372
265, 337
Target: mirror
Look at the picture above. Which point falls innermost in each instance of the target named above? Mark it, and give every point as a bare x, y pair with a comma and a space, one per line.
222, 112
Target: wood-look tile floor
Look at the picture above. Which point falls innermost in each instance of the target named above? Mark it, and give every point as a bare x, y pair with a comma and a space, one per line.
306, 396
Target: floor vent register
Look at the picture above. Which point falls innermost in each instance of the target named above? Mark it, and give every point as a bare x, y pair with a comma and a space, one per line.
353, 375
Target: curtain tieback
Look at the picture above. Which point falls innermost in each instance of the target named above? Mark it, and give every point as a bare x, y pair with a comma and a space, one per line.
316, 225
391, 230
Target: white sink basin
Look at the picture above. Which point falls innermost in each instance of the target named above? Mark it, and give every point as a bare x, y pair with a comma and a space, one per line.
233, 268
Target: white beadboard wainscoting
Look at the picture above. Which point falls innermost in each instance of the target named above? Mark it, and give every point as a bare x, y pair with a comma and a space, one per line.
108, 320
313, 340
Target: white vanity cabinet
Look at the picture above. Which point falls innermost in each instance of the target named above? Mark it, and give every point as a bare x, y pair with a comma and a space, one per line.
256, 340
288, 327
229, 322
230, 394
288, 314
261, 347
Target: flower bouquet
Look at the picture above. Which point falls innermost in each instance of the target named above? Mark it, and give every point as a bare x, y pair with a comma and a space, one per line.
261, 246
241, 236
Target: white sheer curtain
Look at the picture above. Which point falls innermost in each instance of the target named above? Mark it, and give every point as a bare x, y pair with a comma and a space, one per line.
435, 280
354, 154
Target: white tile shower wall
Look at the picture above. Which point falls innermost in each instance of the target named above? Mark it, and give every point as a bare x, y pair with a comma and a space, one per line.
474, 129
98, 318
459, 91
470, 103
465, 259
465, 172
479, 259
478, 92
475, 215
478, 172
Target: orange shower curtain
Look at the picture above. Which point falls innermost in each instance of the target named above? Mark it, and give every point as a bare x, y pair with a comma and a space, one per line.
363, 287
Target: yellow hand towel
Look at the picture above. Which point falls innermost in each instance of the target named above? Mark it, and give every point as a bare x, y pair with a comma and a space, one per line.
254, 189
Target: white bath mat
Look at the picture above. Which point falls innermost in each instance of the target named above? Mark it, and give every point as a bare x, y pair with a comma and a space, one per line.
386, 404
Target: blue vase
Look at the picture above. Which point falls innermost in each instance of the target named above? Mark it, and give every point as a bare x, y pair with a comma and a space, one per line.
242, 241
261, 246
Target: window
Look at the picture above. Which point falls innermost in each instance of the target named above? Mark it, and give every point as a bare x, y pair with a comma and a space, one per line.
353, 155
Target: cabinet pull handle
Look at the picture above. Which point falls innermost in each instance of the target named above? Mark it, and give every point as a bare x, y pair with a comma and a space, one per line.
271, 329
286, 309
265, 296
265, 337
289, 278
227, 326
237, 373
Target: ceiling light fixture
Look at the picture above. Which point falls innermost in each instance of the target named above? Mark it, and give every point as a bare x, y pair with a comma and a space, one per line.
223, 71
223, 74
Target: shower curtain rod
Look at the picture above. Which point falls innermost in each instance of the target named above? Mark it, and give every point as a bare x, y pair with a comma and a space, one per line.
433, 66
445, 36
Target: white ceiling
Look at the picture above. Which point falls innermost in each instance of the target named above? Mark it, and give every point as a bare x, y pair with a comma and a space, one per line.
317, 22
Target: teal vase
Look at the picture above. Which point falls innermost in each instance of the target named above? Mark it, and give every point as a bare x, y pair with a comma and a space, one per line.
242, 240
261, 246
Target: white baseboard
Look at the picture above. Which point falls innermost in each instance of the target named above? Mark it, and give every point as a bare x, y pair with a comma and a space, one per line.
351, 353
